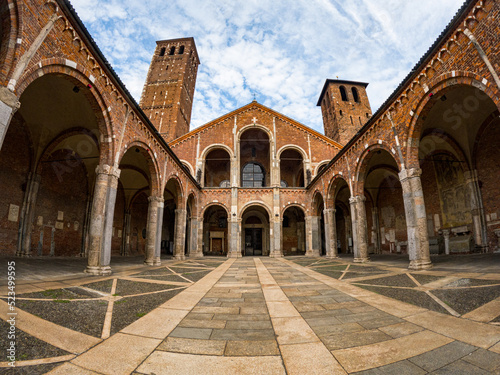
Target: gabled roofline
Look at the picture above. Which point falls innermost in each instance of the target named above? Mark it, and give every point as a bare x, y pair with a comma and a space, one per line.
445, 34
262, 107
76, 22
338, 81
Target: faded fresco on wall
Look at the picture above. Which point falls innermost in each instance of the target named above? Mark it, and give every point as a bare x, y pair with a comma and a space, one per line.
453, 192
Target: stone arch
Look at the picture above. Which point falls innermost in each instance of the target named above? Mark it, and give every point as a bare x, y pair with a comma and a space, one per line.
189, 166
255, 203
9, 17
284, 208
215, 146
151, 161
214, 238
332, 187
205, 208
194, 206
321, 164
80, 77
316, 202
218, 171
256, 238
364, 160
489, 121
255, 126
178, 186
255, 144
440, 86
292, 147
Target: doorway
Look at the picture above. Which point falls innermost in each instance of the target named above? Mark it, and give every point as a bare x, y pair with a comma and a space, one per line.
253, 241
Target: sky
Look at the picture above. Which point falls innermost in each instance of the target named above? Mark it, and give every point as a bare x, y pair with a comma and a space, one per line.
278, 52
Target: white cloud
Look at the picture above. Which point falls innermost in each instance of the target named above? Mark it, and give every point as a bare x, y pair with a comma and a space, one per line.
281, 51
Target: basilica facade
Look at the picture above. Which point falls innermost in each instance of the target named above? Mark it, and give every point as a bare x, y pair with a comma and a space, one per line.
87, 171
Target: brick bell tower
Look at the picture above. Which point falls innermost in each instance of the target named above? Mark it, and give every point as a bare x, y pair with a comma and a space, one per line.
167, 96
345, 108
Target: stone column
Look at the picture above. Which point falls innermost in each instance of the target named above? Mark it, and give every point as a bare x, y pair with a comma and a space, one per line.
8, 106
126, 233
497, 233
359, 229
330, 233
234, 238
26, 228
446, 235
101, 220
416, 219
376, 231
313, 239
477, 209
195, 251
276, 250
159, 226
180, 234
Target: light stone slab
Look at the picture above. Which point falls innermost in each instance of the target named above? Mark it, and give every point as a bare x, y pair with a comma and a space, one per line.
282, 309
383, 353
485, 313
71, 369
56, 335
193, 346
309, 358
168, 363
120, 354
293, 331
474, 333
157, 324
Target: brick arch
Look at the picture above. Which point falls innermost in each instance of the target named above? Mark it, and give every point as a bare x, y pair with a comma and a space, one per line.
14, 22
57, 66
255, 126
179, 188
437, 87
152, 164
216, 146
446, 137
188, 165
194, 208
332, 186
361, 167
289, 205
60, 138
315, 203
256, 203
321, 164
479, 135
290, 146
212, 204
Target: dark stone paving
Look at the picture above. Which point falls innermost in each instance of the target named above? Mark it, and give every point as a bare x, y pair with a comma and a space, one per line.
464, 300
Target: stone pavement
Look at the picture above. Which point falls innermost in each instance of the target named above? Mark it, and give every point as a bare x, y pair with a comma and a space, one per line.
261, 316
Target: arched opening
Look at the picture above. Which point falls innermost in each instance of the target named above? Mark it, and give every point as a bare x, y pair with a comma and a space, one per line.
172, 198
459, 156
294, 229
47, 169
162, 51
215, 231
255, 231
343, 93
217, 169
318, 223
291, 168
340, 195
172, 51
132, 202
181, 50
355, 94
254, 158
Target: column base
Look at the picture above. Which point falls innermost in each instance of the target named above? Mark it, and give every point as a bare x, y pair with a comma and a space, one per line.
157, 261
362, 260
98, 270
420, 264
150, 262
196, 255
234, 254
276, 254
180, 257
332, 256
312, 253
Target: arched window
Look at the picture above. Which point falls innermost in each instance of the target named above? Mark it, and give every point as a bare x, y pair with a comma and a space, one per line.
162, 52
172, 51
181, 50
355, 94
343, 93
253, 175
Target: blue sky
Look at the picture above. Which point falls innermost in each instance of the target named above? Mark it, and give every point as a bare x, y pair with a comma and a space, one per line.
281, 51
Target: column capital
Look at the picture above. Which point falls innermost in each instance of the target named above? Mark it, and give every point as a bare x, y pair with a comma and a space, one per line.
112, 171
409, 173
356, 199
9, 98
154, 198
328, 210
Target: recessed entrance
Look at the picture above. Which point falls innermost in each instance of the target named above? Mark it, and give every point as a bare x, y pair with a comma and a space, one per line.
253, 241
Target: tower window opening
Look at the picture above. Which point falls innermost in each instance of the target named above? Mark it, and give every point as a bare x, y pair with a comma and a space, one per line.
360, 123
166, 68
162, 51
340, 112
343, 93
367, 115
172, 51
355, 94
181, 50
